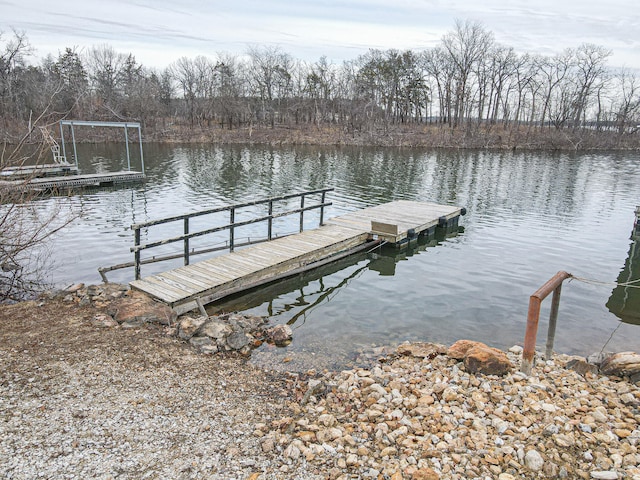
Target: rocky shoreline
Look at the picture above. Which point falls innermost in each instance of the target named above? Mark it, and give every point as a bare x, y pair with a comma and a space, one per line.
100, 382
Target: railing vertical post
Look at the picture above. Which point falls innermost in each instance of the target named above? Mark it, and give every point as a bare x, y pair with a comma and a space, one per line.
302, 212
530, 334
186, 241
270, 221
322, 208
232, 220
553, 319
136, 255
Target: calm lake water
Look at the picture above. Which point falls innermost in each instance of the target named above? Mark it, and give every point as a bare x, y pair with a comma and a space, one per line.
529, 215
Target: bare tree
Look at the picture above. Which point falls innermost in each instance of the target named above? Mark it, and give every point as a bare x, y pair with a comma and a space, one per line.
25, 228
466, 45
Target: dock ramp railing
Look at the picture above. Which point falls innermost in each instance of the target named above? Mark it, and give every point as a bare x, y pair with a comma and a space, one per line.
554, 284
231, 226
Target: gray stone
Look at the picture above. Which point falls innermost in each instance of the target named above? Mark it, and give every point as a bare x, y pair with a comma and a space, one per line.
533, 460
604, 475
200, 341
189, 326
237, 340
215, 329
581, 366
281, 335
598, 357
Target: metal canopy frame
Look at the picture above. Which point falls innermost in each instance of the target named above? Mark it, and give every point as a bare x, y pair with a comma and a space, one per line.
84, 123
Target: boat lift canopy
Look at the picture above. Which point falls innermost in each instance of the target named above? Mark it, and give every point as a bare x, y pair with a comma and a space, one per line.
83, 123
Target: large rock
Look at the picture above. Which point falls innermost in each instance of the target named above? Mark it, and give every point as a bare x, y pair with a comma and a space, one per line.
189, 326
422, 349
487, 360
480, 358
281, 335
139, 309
459, 349
623, 364
215, 329
238, 340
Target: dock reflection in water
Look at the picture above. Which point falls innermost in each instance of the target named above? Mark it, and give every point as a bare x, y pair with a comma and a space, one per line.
624, 301
297, 296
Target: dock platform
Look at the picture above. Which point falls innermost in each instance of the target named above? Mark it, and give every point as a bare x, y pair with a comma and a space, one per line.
72, 181
210, 280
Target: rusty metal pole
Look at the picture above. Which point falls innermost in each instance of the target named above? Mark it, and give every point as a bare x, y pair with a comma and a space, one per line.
533, 317
530, 334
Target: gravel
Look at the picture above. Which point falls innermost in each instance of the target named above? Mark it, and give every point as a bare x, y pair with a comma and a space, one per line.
77, 401
87, 399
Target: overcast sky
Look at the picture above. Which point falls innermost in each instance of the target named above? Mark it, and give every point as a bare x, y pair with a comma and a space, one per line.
159, 32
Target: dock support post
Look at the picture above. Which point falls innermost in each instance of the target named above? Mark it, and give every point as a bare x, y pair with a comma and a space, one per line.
136, 255
270, 221
73, 138
232, 220
126, 142
186, 241
64, 150
141, 154
301, 212
322, 208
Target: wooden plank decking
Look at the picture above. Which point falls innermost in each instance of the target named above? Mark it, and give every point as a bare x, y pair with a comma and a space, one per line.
243, 269
69, 181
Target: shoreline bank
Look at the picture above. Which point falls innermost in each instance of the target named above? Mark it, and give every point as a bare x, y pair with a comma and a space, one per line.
82, 397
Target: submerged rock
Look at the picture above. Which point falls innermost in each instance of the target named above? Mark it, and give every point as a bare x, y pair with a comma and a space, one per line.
281, 335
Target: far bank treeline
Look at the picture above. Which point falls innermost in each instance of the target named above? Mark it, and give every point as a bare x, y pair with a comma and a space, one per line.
468, 91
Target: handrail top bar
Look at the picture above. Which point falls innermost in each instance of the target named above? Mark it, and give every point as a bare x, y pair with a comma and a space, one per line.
160, 221
88, 123
551, 285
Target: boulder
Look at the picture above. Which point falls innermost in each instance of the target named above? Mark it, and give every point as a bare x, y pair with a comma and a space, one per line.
237, 340
459, 349
188, 326
139, 309
623, 364
215, 329
281, 335
487, 360
480, 358
422, 349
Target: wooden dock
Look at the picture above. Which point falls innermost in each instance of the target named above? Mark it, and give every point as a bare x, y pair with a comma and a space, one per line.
218, 277
72, 181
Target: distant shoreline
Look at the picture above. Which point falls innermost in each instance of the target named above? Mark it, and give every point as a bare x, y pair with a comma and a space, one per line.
430, 136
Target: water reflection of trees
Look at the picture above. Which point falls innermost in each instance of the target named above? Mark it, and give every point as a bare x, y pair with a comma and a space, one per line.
560, 185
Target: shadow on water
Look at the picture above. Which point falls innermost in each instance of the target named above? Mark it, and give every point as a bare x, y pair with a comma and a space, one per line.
624, 301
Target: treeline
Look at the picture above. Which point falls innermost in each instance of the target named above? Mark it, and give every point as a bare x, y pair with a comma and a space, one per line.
466, 85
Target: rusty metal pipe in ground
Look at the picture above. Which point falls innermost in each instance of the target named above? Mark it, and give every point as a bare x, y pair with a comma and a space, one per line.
554, 284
